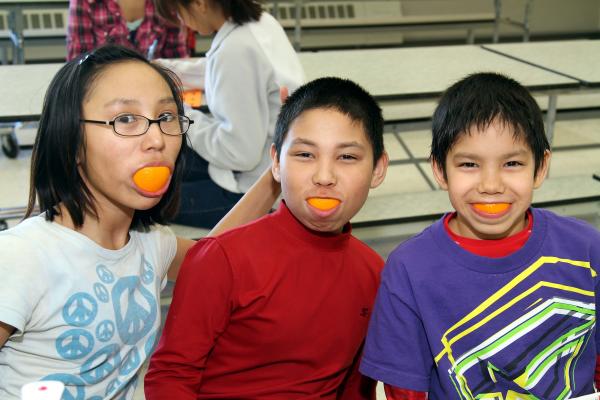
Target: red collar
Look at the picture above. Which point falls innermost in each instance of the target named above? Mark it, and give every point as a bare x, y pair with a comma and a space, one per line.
491, 248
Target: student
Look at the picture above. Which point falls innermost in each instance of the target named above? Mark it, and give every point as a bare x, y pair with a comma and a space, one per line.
286, 299
496, 300
250, 58
131, 23
79, 295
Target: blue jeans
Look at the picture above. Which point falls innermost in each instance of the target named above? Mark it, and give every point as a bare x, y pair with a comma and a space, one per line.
203, 202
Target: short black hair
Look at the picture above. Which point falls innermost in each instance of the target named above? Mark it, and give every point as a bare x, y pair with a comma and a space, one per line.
240, 11
338, 94
477, 101
59, 143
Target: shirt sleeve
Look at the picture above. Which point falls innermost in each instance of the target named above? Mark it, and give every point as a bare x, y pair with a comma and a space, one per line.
175, 43
396, 348
191, 71
234, 136
22, 283
80, 35
198, 315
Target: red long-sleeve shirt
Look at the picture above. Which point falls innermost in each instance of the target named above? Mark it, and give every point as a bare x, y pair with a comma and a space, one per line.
270, 310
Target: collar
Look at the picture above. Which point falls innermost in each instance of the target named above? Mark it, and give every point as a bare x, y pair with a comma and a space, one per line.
286, 222
220, 36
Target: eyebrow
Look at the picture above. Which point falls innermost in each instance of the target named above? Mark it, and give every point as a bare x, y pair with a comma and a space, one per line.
474, 155
124, 101
299, 141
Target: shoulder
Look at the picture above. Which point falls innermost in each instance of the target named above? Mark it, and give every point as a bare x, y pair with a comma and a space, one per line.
372, 258
566, 226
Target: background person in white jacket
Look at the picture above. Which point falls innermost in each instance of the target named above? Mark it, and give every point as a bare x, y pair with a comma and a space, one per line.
250, 58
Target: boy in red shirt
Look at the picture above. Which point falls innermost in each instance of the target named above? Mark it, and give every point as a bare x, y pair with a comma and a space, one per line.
278, 308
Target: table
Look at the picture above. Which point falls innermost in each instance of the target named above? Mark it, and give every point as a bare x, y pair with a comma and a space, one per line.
575, 59
423, 73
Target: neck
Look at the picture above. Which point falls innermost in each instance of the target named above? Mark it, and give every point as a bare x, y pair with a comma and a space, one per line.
132, 10
110, 229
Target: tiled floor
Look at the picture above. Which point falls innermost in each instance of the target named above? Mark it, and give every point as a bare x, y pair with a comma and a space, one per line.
14, 173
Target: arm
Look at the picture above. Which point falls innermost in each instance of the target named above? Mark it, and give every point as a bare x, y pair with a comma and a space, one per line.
193, 323
355, 385
80, 34
396, 321
5, 332
257, 202
191, 71
393, 393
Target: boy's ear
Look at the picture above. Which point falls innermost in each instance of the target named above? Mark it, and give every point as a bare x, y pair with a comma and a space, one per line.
380, 170
542, 172
275, 166
438, 174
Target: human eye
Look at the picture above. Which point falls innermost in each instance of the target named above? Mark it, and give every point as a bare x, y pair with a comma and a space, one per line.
303, 154
514, 163
168, 117
125, 119
348, 157
467, 164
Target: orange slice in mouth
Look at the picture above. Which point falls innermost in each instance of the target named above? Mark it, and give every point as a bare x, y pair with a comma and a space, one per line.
151, 179
323, 203
492, 208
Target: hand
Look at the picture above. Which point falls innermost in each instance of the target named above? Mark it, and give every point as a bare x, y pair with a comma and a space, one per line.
283, 93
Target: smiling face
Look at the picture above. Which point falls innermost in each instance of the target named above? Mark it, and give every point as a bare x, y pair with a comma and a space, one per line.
490, 178
326, 156
109, 162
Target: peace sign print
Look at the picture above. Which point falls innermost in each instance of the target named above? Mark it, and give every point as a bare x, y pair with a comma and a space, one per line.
80, 309
102, 364
112, 387
126, 388
130, 363
105, 330
151, 343
135, 309
148, 271
101, 292
105, 274
74, 344
74, 387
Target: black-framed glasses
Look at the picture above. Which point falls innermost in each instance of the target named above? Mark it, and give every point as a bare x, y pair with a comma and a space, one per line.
137, 125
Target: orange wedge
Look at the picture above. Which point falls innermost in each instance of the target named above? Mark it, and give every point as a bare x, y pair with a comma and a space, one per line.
323, 203
151, 179
492, 208
192, 98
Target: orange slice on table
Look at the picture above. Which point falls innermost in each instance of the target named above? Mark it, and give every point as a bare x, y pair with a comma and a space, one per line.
323, 203
151, 179
192, 98
492, 208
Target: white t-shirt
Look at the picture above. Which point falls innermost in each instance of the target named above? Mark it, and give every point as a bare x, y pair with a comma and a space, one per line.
84, 315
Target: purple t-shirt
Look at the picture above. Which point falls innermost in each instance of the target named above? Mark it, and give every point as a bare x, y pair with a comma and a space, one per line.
462, 326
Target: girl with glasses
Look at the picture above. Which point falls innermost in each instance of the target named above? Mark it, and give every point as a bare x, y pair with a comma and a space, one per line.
81, 282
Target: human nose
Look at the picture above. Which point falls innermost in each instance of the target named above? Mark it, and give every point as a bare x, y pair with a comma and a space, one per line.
324, 174
491, 181
154, 138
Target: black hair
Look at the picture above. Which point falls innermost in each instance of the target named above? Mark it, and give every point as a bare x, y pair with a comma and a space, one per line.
59, 144
338, 94
240, 11
477, 101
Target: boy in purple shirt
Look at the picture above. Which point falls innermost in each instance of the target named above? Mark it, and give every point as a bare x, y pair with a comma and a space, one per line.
497, 300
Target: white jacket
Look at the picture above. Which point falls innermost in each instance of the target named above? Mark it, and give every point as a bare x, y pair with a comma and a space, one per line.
244, 69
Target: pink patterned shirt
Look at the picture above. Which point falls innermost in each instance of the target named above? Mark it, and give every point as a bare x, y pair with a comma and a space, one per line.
93, 23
